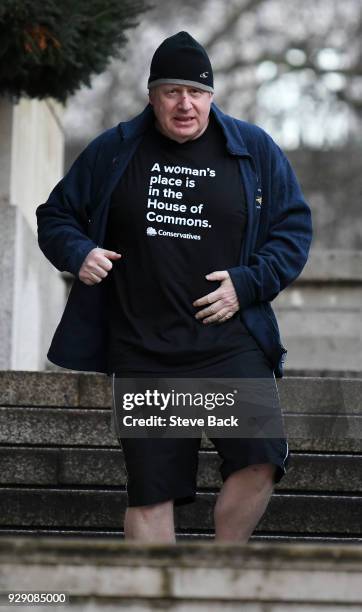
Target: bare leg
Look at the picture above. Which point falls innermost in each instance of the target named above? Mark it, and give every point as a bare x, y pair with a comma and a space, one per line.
242, 501
153, 523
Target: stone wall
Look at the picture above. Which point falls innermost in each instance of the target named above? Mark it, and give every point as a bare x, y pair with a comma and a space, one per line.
320, 314
32, 292
332, 184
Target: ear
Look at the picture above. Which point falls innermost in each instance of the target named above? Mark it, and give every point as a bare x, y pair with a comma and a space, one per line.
150, 97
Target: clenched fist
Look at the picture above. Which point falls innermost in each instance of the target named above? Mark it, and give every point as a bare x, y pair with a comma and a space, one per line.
96, 265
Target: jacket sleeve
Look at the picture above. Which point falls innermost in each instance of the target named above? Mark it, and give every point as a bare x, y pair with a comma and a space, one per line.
284, 253
63, 219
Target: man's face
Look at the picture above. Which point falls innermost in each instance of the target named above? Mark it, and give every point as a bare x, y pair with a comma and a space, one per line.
182, 112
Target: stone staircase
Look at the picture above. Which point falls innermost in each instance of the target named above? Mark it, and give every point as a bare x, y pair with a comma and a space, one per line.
62, 470
98, 575
319, 314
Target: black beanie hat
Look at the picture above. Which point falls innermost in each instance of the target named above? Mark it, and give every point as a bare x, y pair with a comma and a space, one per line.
180, 59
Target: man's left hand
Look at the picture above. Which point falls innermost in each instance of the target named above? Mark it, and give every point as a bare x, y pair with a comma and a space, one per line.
222, 303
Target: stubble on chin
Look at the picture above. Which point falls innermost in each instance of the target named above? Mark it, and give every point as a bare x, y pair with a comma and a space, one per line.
180, 139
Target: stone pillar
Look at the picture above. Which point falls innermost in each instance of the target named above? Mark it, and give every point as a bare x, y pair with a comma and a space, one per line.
32, 292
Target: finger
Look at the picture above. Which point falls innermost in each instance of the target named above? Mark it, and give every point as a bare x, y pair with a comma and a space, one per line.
104, 261
221, 316
217, 275
95, 278
226, 317
211, 310
97, 270
103, 264
215, 318
111, 254
208, 299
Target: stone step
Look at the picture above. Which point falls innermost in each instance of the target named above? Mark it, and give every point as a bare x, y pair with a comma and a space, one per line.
103, 508
62, 470
25, 388
100, 574
321, 324
75, 389
64, 466
327, 351
319, 372
190, 536
331, 266
317, 296
324, 432
319, 314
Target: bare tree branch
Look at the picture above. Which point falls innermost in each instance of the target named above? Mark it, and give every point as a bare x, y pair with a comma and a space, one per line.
280, 60
273, 28
231, 22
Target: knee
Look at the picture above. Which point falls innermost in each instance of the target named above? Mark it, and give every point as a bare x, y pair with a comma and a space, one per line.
151, 512
255, 478
264, 473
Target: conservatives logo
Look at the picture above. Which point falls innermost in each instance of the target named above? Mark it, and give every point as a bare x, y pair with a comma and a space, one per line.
151, 231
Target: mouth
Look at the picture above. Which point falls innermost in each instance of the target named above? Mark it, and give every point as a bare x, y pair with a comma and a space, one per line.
183, 120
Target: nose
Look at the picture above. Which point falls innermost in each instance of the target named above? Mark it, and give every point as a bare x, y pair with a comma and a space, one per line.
185, 102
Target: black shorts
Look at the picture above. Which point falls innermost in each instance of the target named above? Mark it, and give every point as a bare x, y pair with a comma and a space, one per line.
161, 469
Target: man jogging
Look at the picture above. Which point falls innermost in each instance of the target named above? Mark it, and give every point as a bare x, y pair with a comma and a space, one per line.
180, 227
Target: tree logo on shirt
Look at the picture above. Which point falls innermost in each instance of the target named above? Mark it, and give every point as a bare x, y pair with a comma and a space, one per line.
151, 231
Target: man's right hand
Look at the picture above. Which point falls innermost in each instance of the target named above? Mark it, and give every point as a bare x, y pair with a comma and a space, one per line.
96, 265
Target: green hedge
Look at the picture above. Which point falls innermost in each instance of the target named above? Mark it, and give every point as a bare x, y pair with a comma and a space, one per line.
50, 48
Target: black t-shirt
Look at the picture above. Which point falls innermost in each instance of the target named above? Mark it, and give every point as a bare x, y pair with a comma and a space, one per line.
177, 214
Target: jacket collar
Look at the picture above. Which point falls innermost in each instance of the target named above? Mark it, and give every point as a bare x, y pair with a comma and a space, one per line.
234, 140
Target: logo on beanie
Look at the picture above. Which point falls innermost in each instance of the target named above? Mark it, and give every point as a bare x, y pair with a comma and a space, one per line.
204, 75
